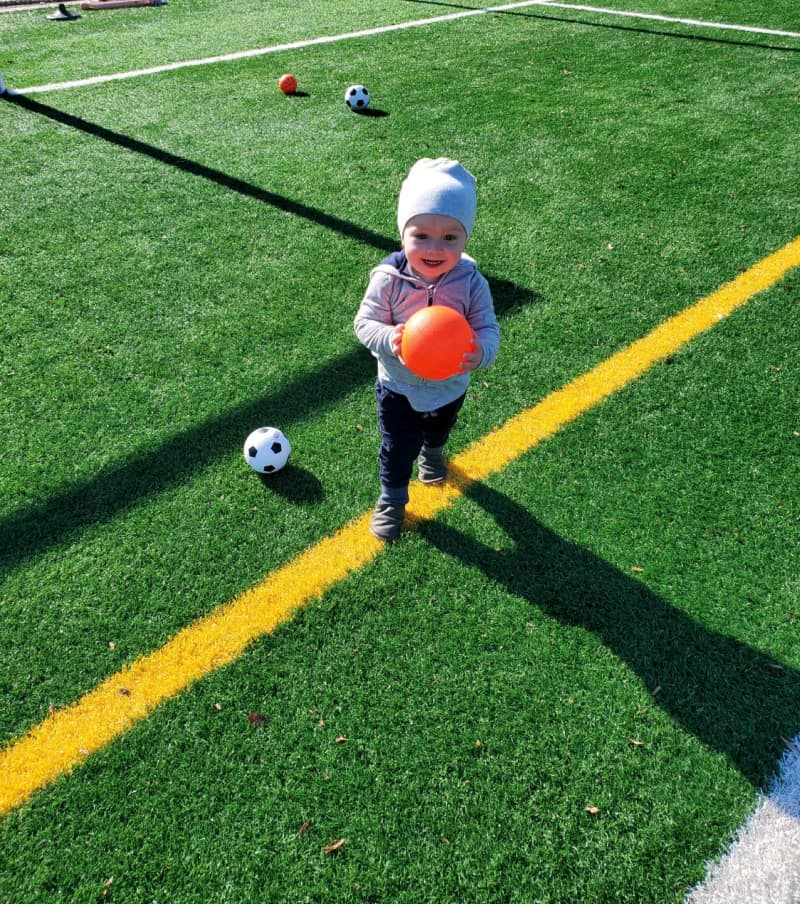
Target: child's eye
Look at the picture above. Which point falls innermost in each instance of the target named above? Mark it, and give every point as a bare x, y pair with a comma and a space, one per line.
450, 237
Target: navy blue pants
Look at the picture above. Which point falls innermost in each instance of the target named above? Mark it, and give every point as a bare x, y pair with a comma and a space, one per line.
404, 431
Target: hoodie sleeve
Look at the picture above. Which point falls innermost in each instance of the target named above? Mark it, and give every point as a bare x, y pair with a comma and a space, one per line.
482, 318
374, 322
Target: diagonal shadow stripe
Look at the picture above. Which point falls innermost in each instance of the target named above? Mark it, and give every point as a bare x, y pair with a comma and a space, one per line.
62, 516
193, 168
733, 697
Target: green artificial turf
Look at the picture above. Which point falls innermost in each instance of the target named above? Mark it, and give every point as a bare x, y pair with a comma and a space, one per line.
607, 624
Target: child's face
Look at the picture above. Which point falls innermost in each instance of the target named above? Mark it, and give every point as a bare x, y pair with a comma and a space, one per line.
433, 244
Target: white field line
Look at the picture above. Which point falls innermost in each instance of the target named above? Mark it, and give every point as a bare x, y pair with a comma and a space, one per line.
383, 29
698, 23
762, 864
277, 48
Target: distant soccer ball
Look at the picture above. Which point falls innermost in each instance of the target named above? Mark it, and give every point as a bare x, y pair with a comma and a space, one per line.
287, 83
357, 98
266, 450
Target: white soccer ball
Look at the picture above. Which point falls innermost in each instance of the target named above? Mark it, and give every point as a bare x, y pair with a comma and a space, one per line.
266, 450
357, 97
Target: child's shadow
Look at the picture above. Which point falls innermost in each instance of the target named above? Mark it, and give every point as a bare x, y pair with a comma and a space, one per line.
508, 296
728, 694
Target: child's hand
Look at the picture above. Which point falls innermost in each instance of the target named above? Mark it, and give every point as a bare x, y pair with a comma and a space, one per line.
396, 340
472, 359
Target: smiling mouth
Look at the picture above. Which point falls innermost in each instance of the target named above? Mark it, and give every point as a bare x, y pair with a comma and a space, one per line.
428, 263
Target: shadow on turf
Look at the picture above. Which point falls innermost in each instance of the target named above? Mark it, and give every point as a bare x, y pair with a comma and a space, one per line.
295, 485
553, 17
61, 517
732, 697
371, 112
193, 168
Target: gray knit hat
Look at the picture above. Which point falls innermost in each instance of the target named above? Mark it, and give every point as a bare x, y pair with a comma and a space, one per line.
440, 186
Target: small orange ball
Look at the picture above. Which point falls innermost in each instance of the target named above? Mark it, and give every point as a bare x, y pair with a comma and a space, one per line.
435, 340
287, 83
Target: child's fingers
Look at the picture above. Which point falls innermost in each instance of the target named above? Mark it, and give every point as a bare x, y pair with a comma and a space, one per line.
471, 360
397, 339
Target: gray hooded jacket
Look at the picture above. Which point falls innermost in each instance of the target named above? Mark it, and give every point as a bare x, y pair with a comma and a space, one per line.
394, 294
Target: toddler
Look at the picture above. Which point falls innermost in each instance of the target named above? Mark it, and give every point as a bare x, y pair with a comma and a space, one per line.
435, 216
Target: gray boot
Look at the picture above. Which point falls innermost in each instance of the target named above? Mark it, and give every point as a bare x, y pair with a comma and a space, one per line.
387, 519
432, 465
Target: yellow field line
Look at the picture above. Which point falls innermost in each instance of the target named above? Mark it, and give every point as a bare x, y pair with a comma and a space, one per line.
67, 737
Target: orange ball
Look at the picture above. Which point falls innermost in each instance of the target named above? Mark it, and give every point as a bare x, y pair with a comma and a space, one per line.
287, 83
434, 341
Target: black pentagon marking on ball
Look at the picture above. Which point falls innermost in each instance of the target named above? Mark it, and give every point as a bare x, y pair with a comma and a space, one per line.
269, 468
276, 447
352, 91
252, 452
360, 102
